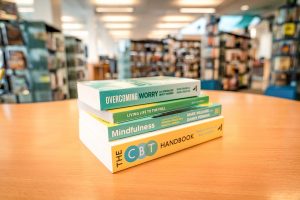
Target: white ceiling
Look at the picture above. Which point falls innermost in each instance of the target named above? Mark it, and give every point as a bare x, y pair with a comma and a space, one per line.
148, 13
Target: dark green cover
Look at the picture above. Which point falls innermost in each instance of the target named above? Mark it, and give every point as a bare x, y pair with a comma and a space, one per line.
157, 108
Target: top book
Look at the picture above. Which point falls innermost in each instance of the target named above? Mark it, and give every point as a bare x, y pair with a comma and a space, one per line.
110, 94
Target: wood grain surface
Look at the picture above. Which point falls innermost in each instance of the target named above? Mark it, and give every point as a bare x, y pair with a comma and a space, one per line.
41, 156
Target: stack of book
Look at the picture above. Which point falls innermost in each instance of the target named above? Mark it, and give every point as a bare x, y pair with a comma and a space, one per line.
128, 122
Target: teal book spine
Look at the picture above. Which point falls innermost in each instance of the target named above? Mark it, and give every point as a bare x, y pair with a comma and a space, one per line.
149, 110
174, 118
111, 99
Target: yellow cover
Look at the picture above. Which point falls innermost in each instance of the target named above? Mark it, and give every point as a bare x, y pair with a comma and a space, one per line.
289, 29
139, 151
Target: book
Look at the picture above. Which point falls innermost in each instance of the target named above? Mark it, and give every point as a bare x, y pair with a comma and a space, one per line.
16, 57
110, 94
145, 125
120, 115
128, 152
8, 10
11, 33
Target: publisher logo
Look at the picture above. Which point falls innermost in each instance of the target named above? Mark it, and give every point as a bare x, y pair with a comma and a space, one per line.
195, 88
141, 151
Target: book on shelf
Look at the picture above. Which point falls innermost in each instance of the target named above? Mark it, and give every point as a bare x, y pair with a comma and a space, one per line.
110, 94
120, 115
121, 154
16, 57
8, 10
283, 63
11, 34
149, 124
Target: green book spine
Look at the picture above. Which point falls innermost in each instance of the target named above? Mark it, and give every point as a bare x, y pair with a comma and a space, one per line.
147, 110
173, 118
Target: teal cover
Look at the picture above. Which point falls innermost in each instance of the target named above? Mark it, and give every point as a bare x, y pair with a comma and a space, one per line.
129, 92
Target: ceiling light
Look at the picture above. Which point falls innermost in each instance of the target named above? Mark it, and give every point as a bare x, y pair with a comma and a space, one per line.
117, 39
114, 10
76, 32
120, 33
177, 18
197, 10
162, 32
116, 2
24, 2
120, 37
198, 2
171, 25
73, 26
252, 32
155, 36
118, 26
67, 18
244, 7
25, 9
117, 18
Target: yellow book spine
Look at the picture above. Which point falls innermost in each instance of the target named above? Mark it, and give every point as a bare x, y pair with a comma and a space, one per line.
139, 151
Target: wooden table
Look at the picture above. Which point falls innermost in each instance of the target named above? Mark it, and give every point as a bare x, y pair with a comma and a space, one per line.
41, 156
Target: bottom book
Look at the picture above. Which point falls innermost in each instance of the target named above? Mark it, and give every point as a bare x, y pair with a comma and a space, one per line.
128, 152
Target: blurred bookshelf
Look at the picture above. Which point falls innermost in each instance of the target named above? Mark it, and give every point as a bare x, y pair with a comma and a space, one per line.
46, 52
285, 72
168, 57
16, 84
34, 58
226, 57
76, 63
235, 60
187, 58
146, 58
211, 51
105, 69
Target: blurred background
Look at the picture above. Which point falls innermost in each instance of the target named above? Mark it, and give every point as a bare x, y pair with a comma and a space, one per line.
244, 46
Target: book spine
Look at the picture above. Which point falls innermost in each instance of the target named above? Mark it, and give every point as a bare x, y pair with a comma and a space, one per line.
137, 127
136, 96
158, 108
136, 152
